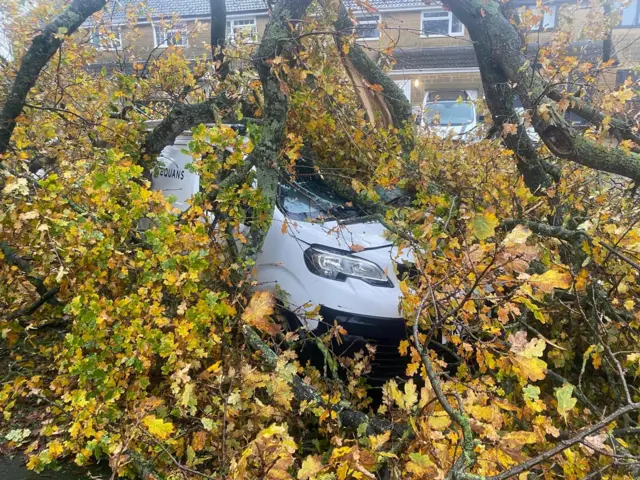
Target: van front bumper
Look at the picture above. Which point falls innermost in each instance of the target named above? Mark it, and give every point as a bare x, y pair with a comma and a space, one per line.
385, 334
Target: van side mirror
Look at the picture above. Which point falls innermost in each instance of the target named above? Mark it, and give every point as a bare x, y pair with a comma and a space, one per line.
480, 118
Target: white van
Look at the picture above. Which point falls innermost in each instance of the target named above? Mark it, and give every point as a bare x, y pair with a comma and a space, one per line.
349, 269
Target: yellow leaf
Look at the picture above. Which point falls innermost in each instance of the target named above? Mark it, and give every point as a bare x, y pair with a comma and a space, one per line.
518, 439
158, 427
439, 420
551, 279
378, 441
310, 467
422, 466
484, 226
517, 236
259, 311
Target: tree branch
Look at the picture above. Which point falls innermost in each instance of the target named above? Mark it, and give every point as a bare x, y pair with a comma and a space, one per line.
563, 445
305, 392
489, 27
43, 47
219, 35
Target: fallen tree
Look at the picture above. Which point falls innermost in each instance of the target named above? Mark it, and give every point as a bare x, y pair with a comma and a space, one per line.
150, 349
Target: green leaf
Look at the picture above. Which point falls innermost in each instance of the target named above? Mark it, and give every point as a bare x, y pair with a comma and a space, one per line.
18, 435
207, 423
565, 401
531, 392
484, 226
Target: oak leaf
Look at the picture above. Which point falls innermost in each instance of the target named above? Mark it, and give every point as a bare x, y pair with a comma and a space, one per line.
259, 311
158, 427
550, 280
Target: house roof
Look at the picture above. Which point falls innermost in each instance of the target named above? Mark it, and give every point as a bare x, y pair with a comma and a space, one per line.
465, 57
201, 8
431, 58
115, 11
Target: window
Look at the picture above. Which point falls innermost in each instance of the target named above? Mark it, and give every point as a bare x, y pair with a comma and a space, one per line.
439, 22
242, 30
104, 39
367, 27
543, 17
405, 86
175, 36
629, 14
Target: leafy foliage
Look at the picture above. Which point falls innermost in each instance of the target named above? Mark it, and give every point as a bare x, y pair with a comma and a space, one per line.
138, 357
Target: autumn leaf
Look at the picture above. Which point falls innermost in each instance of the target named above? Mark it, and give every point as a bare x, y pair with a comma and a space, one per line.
517, 236
158, 427
258, 313
526, 362
439, 420
311, 466
565, 401
356, 248
550, 280
422, 466
484, 225
509, 129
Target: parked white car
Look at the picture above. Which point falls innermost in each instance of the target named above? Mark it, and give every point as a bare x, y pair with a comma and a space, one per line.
348, 270
449, 118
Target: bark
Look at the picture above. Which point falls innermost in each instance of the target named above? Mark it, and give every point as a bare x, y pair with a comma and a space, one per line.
497, 38
43, 47
180, 118
219, 35
278, 40
499, 97
392, 96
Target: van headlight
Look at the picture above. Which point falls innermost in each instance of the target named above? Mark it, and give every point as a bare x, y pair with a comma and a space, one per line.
335, 265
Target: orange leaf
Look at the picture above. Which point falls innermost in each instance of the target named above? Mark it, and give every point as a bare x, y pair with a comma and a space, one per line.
259, 311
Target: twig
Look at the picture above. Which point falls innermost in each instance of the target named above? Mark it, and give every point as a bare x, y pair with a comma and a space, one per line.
467, 458
578, 438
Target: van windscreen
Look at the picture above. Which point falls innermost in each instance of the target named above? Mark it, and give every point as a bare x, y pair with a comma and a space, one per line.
449, 113
311, 199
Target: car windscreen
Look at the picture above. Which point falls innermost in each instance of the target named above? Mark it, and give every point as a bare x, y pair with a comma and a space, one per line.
449, 113
310, 199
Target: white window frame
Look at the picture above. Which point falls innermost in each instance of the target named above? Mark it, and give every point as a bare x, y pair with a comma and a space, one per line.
230, 28
95, 32
368, 20
167, 31
445, 15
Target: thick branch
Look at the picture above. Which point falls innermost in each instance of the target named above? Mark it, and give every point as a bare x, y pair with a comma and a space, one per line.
571, 236
219, 34
43, 47
180, 118
489, 27
398, 105
305, 392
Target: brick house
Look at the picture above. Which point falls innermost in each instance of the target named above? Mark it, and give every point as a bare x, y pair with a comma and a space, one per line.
433, 53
